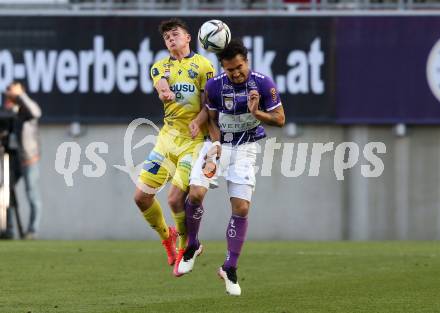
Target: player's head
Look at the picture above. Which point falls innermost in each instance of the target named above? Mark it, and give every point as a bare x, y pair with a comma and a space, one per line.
13, 90
234, 61
175, 34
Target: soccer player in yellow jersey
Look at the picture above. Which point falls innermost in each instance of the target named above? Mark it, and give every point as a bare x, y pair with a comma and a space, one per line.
180, 81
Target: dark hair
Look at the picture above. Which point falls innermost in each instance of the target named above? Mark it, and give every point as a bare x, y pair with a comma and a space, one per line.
172, 23
234, 48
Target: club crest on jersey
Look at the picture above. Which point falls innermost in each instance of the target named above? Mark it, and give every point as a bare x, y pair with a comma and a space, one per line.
228, 102
192, 74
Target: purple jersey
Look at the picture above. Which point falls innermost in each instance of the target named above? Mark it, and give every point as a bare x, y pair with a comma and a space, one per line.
236, 123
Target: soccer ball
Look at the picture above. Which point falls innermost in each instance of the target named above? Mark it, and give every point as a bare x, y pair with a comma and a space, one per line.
214, 35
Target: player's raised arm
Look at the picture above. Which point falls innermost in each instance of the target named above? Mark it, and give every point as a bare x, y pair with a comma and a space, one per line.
274, 117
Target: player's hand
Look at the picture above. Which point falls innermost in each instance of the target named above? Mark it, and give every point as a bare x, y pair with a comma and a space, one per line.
167, 95
253, 101
194, 128
14, 90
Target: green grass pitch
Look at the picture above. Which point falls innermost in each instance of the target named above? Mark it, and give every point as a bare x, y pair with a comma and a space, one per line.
276, 277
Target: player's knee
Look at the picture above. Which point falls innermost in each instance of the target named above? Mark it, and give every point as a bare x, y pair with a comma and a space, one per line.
196, 196
242, 211
241, 208
143, 200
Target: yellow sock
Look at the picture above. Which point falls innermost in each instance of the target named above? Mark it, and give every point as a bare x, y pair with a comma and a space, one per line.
179, 219
155, 218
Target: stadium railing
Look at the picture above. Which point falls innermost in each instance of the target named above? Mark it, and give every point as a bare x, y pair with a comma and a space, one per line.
280, 5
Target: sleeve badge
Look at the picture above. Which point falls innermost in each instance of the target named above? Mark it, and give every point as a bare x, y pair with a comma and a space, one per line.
155, 72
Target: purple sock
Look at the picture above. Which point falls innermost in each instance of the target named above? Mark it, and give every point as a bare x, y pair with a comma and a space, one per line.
235, 236
193, 214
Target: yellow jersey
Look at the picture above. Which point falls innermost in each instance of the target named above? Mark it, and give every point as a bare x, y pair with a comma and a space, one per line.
187, 79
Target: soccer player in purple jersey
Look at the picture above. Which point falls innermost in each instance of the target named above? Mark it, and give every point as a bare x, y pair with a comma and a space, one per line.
238, 100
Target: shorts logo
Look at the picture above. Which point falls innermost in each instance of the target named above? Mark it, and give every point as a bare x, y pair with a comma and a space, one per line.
228, 137
152, 168
228, 102
209, 75
152, 164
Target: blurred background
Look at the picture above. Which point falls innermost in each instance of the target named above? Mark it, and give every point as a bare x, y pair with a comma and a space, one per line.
350, 73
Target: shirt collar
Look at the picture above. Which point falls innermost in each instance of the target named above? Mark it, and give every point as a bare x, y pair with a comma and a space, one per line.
190, 55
